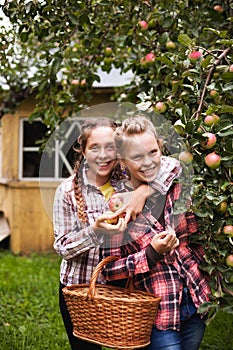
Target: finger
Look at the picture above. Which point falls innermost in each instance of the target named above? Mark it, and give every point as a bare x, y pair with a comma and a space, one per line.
133, 216
121, 224
120, 210
127, 217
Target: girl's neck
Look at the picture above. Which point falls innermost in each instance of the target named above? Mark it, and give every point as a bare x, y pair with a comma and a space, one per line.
97, 180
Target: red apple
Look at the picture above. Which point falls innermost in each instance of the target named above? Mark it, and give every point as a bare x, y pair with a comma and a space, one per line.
229, 260
186, 157
170, 45
231, 68
143, 24
218, 8
211, 119
115, 203
160, 107
194, 56
213, 160
210, 142
228, 230
150, 57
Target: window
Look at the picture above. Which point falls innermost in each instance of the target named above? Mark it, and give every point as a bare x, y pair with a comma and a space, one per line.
57, 159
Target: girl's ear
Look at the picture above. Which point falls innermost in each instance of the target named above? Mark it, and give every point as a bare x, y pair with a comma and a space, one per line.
160, 144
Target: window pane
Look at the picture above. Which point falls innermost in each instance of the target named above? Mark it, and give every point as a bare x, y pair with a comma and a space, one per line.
31, 163
33, 132
47, 165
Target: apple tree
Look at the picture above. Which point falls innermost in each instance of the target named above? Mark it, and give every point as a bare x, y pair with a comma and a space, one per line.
180, 53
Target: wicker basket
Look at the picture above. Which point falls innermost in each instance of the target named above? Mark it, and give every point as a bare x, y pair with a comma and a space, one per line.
119, 318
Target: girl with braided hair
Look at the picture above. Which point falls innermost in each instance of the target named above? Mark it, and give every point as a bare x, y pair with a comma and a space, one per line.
79, 201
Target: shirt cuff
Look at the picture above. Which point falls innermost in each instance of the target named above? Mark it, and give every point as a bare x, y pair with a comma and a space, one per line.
152, 256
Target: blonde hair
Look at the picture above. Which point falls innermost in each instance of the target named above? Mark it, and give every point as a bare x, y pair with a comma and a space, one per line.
134, 126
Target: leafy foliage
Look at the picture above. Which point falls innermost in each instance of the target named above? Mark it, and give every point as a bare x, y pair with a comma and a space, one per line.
66, 42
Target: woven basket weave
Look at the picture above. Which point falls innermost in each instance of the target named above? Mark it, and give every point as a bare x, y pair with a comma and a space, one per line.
119, 318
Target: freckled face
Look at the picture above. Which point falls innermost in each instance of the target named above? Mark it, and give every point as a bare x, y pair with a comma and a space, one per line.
100, 154
142, 156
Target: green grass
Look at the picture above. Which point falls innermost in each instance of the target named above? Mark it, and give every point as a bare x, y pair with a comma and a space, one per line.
30, 317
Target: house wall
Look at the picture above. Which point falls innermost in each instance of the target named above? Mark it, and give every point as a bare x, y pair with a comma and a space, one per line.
22, 201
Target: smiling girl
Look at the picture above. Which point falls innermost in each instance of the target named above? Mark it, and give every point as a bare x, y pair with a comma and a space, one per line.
158, 255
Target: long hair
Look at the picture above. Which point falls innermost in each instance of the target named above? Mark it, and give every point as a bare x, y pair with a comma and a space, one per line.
79, 148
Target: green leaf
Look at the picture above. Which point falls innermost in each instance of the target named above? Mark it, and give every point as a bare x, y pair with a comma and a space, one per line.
225, 109
24, 37
185, 40
226, 131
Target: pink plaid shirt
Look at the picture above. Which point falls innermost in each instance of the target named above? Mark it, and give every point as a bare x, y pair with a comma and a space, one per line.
169, 272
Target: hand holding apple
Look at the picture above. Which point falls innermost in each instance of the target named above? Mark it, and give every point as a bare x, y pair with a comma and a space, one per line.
115, 203
106, 225
165, 241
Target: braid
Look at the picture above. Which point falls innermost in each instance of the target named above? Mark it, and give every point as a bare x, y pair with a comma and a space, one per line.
78, 189
79, 199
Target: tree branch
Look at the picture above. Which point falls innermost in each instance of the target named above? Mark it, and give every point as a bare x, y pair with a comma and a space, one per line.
209, 76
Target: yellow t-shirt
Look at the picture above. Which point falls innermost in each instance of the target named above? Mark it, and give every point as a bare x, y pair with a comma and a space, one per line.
107, 190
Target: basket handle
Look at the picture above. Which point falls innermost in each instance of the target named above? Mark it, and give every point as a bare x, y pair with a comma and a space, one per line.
97, 270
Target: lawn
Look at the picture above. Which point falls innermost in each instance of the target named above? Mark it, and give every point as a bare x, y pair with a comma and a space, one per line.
30, 318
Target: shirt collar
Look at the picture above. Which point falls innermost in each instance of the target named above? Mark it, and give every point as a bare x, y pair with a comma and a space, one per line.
170, 170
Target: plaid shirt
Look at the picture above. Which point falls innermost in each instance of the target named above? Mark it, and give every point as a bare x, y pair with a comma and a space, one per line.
76, 242
171, 271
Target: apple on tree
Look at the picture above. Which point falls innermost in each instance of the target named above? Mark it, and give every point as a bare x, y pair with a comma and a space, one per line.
211, 119
170, 45
160, 107
143, 24
228, 230
186, 157
218, 8
222, 207
148, 59
108, 51
210, 141
214, 93
194, 56
229, 260
213, 160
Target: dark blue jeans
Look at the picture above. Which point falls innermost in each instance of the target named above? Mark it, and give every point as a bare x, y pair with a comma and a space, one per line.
190, 335
189, 338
